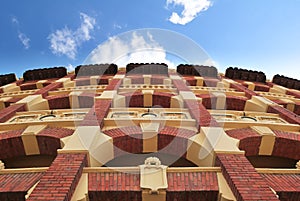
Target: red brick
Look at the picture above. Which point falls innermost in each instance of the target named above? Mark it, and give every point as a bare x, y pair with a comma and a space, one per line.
60, 180
242, 178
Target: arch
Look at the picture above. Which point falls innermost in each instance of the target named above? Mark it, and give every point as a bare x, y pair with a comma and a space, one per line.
232, 102
136, 99
287, 145
170, 140
59, 102
11, 144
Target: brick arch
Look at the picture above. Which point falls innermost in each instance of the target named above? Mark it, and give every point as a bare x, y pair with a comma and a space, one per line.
126, 140
11, 144
287, 145
49, 139
136, 99
171, 140
232, 102
59, 102
162, 99
174, 141
249, 140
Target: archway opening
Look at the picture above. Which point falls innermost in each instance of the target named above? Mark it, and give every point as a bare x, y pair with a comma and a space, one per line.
130, 160
32, 161
272, 162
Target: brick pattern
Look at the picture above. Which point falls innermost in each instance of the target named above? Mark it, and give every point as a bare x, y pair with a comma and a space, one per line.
51, 87
284, 114
14, 187
200, 114
287, 145
59, 102
60, 180
28, 85
191, 186
83, 81
114, 186
261, 87
250, 140
86, 100
232, 102
242, 88
235, 103
191, 81
210, 82
126, 140
293, 93
161, 99
174, 141
114, 84
101, 108
10, 101
180, 85
297, 109
287, 186
11, 144
242, 178
49, 139
9, 112
134, 99
156, 79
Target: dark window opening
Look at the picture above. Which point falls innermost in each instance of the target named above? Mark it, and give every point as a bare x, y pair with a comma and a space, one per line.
271, 162
130, 160
28, 161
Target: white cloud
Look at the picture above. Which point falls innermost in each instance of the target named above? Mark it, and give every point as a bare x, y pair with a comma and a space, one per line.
15, 20
22, 36
66, 41
70, 68
191, 8
24, 39
136, 49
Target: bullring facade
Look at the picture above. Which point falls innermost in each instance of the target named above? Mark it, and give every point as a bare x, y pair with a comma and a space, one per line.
146, 132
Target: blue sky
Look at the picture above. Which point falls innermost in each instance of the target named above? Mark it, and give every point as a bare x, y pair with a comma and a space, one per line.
255, 34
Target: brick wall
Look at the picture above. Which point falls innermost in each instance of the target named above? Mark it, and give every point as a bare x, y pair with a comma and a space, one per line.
114, 186
59, 102
135, 99
9, 112
126, 140
161, 99
60, 180
242, 88
284, 113
86, 100
287, 186
190, 186
114, 84
174, 141
287, 145
51, 87
14, 187
180, 85
242, 178
249, 140
11, 144
49, 139
261, 87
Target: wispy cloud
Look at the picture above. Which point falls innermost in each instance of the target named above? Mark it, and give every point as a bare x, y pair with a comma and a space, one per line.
191, 8
135, 49
66, 41
25, 40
